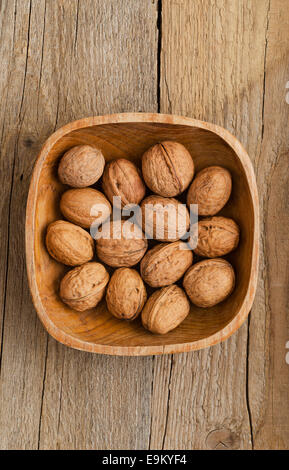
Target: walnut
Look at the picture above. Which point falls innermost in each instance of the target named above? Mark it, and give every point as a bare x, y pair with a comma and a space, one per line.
68, 243
210, 189
164, 219
126, 294
83, 287
209, 282
121, 244
165, 309
122, 178
81, 166
217, 237
85, 207
168, 168
166, 263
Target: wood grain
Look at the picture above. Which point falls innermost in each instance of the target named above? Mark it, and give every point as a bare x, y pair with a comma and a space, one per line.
23, 340
65, 60
269, 328
212, 67
225, 61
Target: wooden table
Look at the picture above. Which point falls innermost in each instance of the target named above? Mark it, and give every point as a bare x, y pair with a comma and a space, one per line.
225, 61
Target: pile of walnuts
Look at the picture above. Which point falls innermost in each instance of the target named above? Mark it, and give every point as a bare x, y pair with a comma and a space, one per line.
167, 171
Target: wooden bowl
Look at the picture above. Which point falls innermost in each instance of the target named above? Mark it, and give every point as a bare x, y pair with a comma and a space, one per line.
128, 136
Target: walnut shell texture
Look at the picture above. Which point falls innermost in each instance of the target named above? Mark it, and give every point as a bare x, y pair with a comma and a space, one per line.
168, 168
166, 263
68, 243
218, 236
211, 190
165, 309
121, 244
209, 282
164, 219
126, 294
83, 287
122, 178
85, 207
81, 166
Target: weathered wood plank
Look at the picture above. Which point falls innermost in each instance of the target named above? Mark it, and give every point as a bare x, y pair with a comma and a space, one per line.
6, 169
24, 341
65, 60
212, 68
269, 329
95, 402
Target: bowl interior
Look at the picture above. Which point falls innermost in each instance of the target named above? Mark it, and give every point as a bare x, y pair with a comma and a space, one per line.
130, 140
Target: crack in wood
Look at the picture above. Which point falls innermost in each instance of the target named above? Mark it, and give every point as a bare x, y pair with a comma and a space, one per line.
168, 93
60, 399
76, 25
43, 392
58, 100
168, 403
264, 70
42, 57
26, 60
152, 390
7, 261
9, 67
159, 27
247, 383
8, 239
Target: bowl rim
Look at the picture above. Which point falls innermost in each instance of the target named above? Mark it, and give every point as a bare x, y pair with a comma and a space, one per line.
70, 340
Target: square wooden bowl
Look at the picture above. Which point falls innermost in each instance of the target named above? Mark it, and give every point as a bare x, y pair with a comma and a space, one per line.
128, 136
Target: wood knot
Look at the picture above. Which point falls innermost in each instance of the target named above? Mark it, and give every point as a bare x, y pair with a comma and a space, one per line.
222, 439
28, 142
